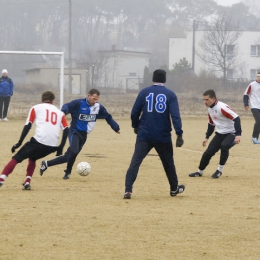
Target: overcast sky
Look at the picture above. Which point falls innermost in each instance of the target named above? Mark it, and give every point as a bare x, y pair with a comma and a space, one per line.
227, 2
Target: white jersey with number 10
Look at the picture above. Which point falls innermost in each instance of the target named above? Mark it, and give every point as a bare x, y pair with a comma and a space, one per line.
48, 120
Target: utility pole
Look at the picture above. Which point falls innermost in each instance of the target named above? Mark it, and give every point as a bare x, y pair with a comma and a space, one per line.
70, 74
193, 45
92, 76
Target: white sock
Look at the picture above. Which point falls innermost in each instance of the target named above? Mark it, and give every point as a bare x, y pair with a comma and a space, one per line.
200, 171
220, 167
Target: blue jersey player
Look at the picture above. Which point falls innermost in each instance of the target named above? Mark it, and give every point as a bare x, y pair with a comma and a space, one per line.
84, 113
154, 109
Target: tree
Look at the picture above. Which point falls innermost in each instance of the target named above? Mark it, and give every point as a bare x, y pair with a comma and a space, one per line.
219, 49
181, 67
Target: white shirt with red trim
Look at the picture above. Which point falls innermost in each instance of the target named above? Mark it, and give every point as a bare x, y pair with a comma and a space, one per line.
253, 91
222, 116
48, 120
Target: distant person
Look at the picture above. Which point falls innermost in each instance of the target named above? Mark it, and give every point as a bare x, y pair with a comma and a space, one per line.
48, 120
252, 95
227, 134
6, 91
155, 110
84, 113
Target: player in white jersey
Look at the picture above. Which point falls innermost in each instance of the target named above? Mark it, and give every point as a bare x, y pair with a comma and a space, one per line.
252, 95
227, 134
48, 120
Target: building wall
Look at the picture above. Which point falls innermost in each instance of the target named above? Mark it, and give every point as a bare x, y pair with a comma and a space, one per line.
123, 68
50, 78
182, 47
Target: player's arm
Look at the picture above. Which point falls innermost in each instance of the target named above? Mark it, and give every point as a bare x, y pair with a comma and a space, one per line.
24, 133
63, 141
210, 130
246, 97
29, 121
103, 114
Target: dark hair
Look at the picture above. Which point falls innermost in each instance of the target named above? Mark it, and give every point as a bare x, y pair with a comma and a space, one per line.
211, 93
159, 76
94, 91
48, 96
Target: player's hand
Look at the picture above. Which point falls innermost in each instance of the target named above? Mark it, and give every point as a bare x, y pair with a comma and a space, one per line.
237, 139
179, 141
136, 130
59, 151
15, 147
246, 108
205, 142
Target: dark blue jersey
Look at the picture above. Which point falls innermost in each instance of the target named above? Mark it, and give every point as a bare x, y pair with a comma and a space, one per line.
152, 113
84, 116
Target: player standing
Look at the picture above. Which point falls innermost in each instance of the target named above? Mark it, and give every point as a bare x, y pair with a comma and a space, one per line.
48, 120
84, 113
252, 94
151, 113
228, 133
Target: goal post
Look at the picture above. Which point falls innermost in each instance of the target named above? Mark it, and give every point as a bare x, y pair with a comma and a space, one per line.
61, 81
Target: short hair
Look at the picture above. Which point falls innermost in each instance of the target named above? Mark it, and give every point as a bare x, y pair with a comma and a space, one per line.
94, 91
211, 93
48, 96
258, 72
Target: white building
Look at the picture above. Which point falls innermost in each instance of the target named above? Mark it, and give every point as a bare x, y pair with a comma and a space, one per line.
122, 69
248, 45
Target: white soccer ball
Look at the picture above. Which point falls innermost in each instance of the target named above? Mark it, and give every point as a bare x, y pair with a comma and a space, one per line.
83, 168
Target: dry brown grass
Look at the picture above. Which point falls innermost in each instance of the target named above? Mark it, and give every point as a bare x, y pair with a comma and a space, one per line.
86, 217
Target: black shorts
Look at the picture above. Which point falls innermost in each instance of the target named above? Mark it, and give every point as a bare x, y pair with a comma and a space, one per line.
34, 151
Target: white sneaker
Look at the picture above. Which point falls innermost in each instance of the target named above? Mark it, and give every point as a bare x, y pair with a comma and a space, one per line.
0, 119
5, 119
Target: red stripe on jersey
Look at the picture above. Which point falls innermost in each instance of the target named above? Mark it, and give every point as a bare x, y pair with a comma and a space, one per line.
64, 122
210, 120
248, 90
226, 114
32, 116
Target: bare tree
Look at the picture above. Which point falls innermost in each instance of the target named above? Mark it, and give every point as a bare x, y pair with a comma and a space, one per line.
219, 48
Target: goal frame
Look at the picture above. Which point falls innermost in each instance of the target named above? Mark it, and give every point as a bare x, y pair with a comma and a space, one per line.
61, 54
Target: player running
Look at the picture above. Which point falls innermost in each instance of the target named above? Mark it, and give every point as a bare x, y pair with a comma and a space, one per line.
48, 120
84, 113
228, 133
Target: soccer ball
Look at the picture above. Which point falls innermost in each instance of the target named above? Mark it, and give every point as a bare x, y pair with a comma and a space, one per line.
83, 168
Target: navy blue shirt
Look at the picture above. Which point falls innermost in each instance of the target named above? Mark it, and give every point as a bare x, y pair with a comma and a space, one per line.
152, 113
84, 116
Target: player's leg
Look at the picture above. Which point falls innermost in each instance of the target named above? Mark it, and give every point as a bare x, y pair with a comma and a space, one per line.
256, 129
76, 143
165, 152
141, 150
226, 144
8, 169
1, 107
213, 147
6, 106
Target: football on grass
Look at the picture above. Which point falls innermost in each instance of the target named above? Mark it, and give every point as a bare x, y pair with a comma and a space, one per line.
83, 168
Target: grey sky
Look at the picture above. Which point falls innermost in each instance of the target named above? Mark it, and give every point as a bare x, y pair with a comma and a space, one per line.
228, 2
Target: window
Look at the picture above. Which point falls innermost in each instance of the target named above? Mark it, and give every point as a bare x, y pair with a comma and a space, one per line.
230, 74
230, 50
255, 50
253, 73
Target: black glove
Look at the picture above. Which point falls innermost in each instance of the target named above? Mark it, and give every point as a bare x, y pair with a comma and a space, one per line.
15, 147
59, 151
179, 141
136, 130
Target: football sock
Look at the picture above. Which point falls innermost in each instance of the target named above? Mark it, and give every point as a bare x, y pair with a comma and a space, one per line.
220, 167
9, 167
2, 177
200, 171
